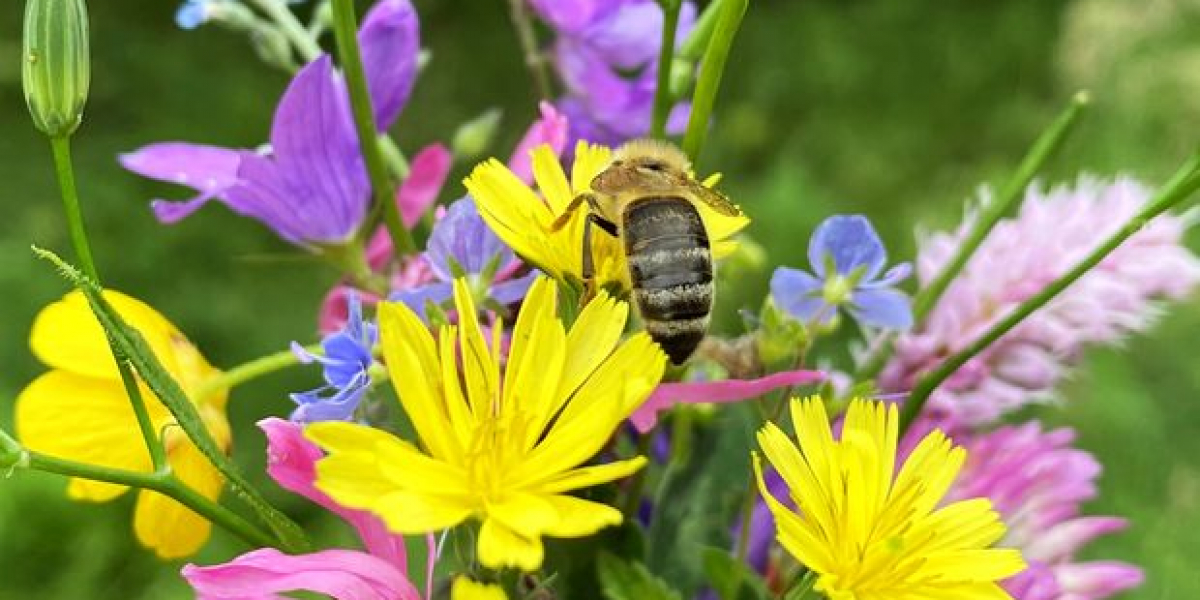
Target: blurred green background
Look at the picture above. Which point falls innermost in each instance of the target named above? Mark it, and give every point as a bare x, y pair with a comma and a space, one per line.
895, 109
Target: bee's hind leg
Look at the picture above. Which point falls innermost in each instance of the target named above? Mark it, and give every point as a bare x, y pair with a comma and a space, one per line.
589, 266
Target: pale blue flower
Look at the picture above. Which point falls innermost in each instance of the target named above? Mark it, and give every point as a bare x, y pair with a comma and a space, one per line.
346, 361
847, 260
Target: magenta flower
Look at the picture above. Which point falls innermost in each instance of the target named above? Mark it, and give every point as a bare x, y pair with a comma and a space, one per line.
1053, 231
311, 185
599, 43
1038, 482
380, 573
847, 260
667, 395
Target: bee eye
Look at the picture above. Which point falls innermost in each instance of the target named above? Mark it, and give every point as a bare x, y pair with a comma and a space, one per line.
654, 166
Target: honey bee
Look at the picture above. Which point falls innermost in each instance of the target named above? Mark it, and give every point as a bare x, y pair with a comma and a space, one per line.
647, 197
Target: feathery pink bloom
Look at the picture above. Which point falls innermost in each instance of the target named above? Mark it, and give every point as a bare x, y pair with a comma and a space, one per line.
380, 573
1053, 231
1037, 482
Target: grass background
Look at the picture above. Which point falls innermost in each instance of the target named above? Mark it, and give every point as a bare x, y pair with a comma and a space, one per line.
894, 109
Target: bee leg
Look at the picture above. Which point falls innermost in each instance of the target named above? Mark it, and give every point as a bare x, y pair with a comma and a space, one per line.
589, 266
566, 215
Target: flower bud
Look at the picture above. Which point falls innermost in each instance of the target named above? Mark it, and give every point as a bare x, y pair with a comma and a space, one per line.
473, 137
56, 67
780, 337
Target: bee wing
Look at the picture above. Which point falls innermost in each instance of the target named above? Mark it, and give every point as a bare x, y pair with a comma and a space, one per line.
716, 200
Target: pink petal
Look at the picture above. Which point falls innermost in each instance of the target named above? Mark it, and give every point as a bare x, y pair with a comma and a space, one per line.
733, 390
333, 312
290, 461
550, 129
265, 574
420, 189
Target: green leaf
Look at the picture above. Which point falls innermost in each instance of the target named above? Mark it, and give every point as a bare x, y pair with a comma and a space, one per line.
620, 580
698, 499
731, 578
134, 349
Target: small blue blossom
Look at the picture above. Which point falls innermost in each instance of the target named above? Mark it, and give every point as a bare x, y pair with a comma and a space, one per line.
847, 259
193, 13
347, 362
462, 242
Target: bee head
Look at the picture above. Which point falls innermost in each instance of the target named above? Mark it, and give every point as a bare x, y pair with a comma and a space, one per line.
642, 165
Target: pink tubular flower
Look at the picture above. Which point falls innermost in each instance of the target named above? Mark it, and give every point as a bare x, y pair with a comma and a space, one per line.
380, 573
1053, 231
1037, 481
733, 390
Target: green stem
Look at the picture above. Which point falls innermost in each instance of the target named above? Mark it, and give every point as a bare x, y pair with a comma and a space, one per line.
743, 542
666, 57
529, 47
1175, 191
345, 29
292, 28
250, 370
637, 483
1043, 149
697, 39
11, 452
160, 481
61, 147
711, 68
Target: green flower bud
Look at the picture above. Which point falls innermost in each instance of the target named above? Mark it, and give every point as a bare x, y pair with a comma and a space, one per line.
780, 338
473, 137
56, 68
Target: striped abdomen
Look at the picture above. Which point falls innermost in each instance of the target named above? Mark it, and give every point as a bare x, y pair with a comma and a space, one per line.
670, 267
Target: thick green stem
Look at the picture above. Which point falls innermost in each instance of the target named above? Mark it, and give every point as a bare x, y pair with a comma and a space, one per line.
160, 481
345, 29
61, 147
1050, 140
666, 57
711, 68
529, 48
250, 370
1175, 191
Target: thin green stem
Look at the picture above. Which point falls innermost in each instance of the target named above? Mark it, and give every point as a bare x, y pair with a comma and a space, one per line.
666, 57
292, 28
61, 147
637, 483
1181, 185
711, 68
1050, 140
160, 481
250, 370
345, 29
697, 39
527, 37
743, 542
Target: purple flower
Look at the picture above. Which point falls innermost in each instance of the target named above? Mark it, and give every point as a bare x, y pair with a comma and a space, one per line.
847, 260
599, 44
311, 185
1037, 482
346, 366
380, 573
1054, 229
461, 244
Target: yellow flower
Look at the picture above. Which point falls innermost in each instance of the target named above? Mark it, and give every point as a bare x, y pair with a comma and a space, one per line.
79, 411
522, 219
466, 589
502, 447
869, 536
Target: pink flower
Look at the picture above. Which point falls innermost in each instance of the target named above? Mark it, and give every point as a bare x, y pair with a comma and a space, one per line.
1054, 230
732, 390
1037, 482
550, 129
380, 573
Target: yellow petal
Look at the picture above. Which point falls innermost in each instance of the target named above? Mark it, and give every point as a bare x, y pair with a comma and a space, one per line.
479, 368
548, 173
168, 527
501, 547
465, 589
578, 517
411, 513
590, 159
592, 339
83, 419
412, 362
590, 475
399, 463
512, 211
66, 335
528, 515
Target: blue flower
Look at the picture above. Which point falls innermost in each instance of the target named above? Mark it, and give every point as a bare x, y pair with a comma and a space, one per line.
847, 259
461, 244
193, 13
347, 362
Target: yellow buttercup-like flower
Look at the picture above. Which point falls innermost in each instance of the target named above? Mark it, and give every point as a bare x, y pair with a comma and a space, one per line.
523, 219
79, 411
504, 447
869, 534
466, 589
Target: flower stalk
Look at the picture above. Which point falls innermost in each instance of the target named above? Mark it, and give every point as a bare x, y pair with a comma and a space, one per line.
711, 68
527, 37
1051, 139
251, 370
666, 55
1185, 181
345, 29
